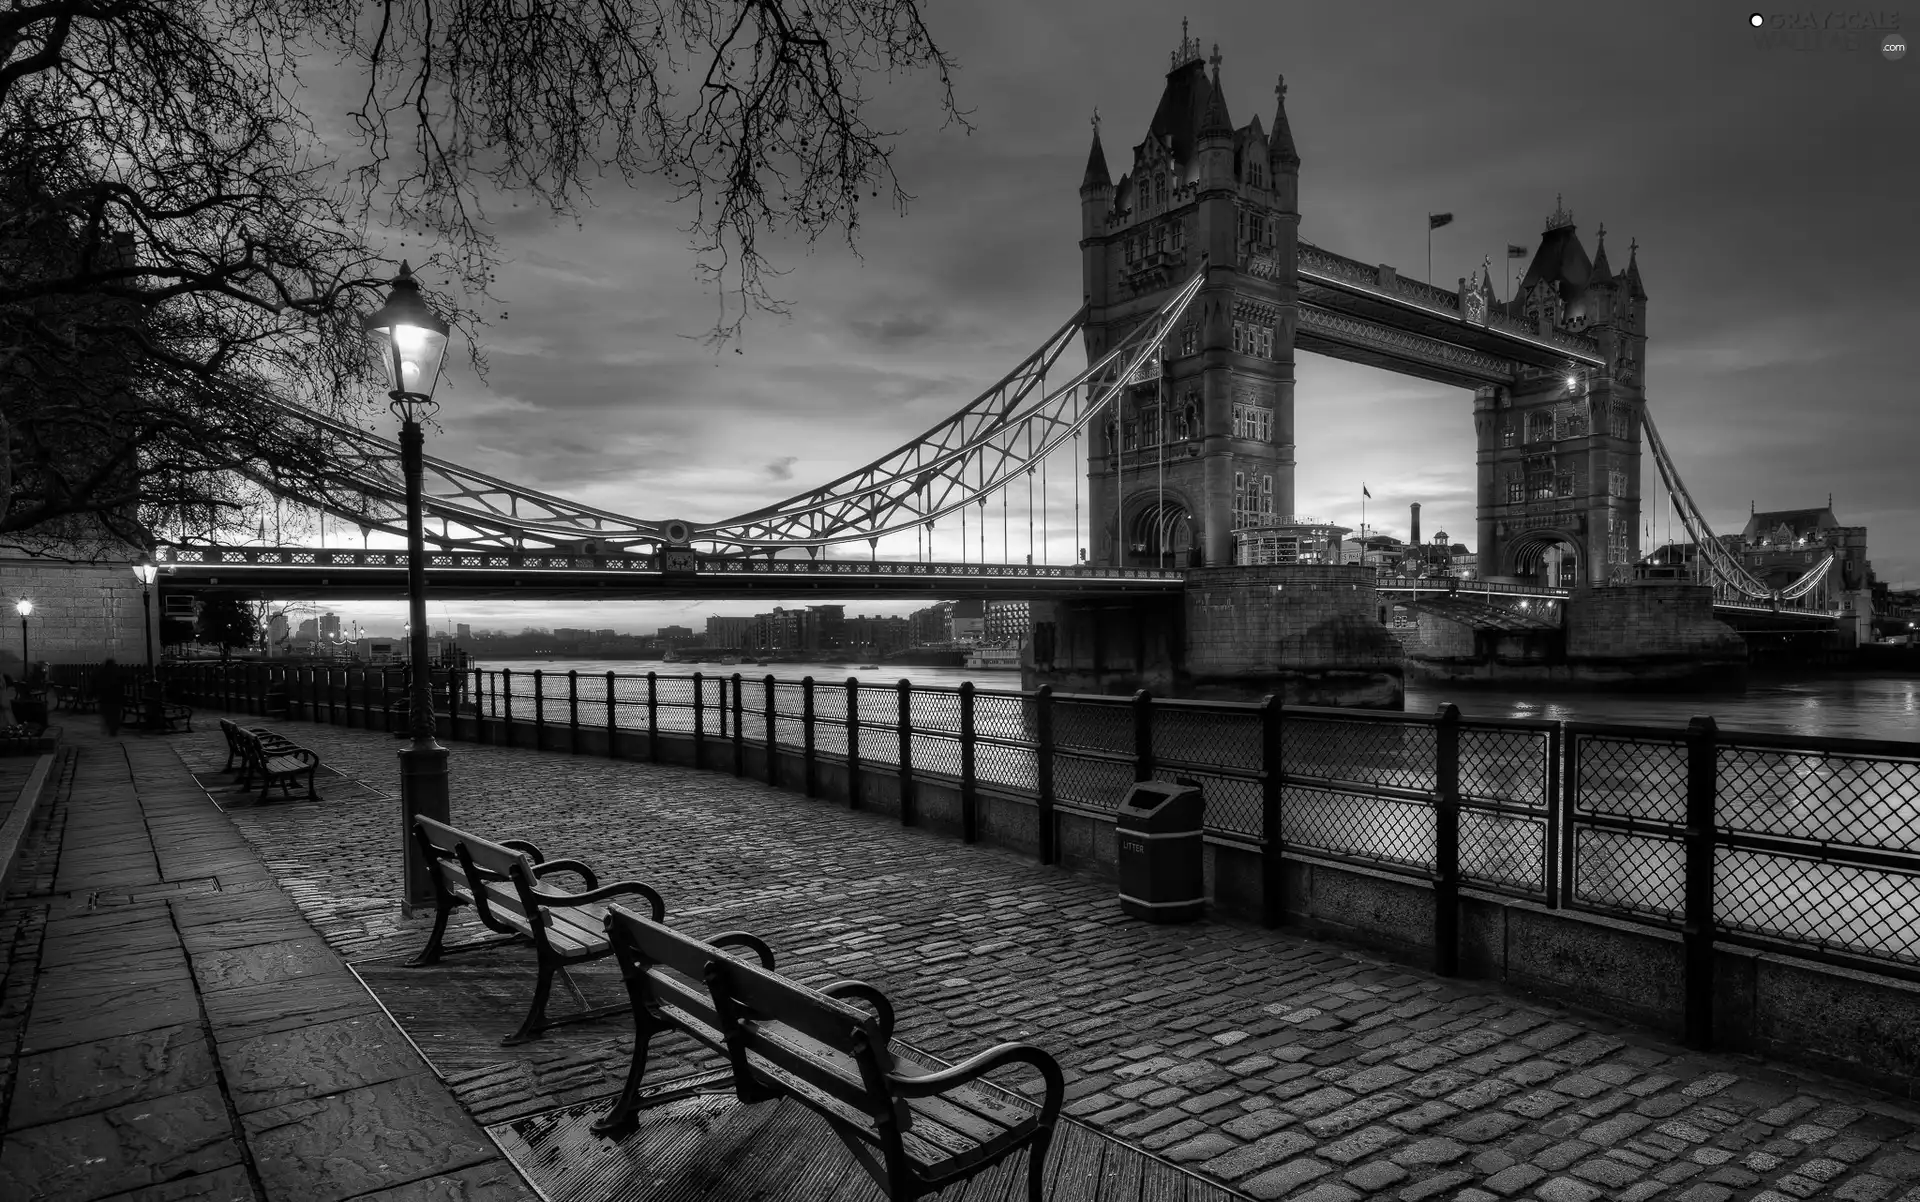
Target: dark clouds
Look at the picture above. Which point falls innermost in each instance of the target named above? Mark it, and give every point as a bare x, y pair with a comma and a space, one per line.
1770, 192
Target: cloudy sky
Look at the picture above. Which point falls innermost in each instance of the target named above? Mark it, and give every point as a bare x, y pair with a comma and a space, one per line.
1771, 190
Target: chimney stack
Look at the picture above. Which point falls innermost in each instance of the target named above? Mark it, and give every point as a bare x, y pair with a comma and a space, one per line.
1415, 540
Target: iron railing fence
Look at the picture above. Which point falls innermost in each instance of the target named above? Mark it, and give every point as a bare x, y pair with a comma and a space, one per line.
1804, 844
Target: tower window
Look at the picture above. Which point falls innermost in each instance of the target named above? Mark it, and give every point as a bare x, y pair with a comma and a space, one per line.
1189, 339
1253, 422
1539, 477
1515, 490
1150, 426
1255, 175
1266, 342
1508, 436
1540, 426
1266, 496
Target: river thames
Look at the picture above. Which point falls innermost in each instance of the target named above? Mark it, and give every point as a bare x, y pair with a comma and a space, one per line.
1842, 706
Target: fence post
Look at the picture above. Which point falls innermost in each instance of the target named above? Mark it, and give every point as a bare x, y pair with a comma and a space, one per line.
969, 790
1446, 843
653, 716
1143, 735
539, 711
905, 690
739, 715
773, 734
1557, 830
333, 701
1273, 899
1043, 769
613, 741
1697, 929
699, 718
573, 711
853, 743
506, 706
806, 744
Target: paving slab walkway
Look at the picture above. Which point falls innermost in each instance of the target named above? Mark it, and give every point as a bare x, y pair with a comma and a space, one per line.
173, 1028
1284, 1066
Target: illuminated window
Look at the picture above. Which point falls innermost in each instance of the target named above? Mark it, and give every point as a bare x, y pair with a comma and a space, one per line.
1540, 426
1515, 490
1563, 482
1539, 477
1508, 436
1189, 339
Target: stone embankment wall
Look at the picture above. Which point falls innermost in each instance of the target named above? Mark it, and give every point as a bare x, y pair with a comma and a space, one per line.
82, 612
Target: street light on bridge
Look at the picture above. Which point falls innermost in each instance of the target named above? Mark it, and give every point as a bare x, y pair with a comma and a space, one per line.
410, 338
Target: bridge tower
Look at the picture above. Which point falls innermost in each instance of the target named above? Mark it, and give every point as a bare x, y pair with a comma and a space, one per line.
1559, 452
1202, 443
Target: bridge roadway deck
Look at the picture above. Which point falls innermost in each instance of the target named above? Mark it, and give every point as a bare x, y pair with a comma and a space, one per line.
1279, 1065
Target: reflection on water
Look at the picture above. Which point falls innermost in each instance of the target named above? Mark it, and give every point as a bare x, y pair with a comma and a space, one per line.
1848, 707
1852, 707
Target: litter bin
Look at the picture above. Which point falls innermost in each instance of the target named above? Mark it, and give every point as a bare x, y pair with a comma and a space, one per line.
1159, 826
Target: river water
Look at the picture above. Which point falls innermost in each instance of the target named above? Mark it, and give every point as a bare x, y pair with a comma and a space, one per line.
1855, 707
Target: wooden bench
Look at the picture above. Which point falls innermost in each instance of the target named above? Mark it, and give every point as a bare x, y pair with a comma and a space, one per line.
173, 717
237, 757
277, 761
913, 1132
505, 884
74, 697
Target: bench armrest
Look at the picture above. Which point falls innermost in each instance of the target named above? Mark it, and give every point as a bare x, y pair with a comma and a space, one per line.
744, 939
543, 867
524, 845
986, 1062
861, 991
617, 889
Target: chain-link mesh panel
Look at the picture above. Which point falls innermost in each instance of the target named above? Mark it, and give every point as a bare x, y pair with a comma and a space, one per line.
936, 711
1089, 782
830, 736
1004, 716
1093, 725
936, 754
1010, 768
1635, 777
1504, 851
788, 732
1845, 907
1868, 801
1232, 802
879, 706
789, 699
1226, 738
675, 690
1634, 873
1383, 829
1505, 764
1402, 755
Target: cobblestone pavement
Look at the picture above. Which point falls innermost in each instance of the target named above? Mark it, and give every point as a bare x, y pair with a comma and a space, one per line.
1284, 1066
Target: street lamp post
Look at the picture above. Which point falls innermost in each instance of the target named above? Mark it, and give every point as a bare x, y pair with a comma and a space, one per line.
26, 661
411, 338
146, 571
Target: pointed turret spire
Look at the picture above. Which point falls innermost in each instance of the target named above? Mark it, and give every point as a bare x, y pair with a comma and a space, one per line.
1216, 123
1602, 273
1097, 174
1634, 288
1281, 142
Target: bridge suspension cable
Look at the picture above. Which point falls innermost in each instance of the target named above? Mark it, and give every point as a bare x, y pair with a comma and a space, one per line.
928, 477
1729, 575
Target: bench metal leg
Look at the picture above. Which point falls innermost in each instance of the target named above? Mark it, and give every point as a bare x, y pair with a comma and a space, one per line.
623, 1118
531, 1026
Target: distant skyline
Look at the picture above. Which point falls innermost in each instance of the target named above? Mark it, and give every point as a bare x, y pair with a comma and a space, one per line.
1766, 189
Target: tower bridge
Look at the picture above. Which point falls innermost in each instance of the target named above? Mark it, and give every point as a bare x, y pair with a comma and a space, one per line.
1199, 295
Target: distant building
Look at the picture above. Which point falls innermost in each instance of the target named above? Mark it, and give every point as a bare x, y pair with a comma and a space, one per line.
330, 626
932, 625
462, 631
969, 622
1780, 545
732, 633
878, 636
671, 636
1007, 622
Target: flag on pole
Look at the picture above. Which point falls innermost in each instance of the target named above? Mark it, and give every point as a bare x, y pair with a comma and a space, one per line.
1365, 493
1436, 220
1516, 252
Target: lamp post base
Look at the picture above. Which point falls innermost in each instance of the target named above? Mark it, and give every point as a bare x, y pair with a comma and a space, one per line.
423, 790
